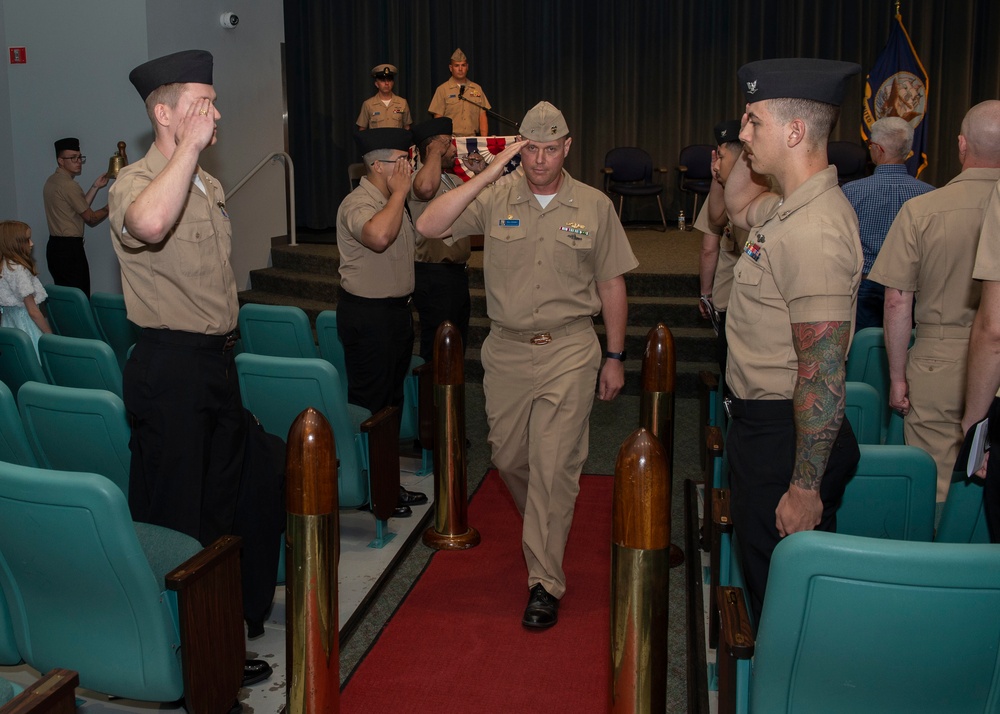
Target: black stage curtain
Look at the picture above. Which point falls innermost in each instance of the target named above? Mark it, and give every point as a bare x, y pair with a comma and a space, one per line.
624, 72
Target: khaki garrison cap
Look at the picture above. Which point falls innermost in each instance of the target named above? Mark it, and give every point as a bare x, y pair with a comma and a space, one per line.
458, 56
543, 122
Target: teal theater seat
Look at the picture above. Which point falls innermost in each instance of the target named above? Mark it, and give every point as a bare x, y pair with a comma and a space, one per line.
113, 324
853, 624
277, 330
85, 588
70, 313
18, 359
864, 410
77, 430
14, 445
963, 519
891, 494
80, 362
278, 389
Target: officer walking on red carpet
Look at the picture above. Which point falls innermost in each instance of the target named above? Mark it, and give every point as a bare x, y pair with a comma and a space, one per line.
555, 255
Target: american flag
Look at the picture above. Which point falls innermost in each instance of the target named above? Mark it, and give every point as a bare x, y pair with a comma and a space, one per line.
487, 147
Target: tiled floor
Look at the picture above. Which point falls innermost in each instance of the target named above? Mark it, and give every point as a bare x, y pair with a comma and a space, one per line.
361, 569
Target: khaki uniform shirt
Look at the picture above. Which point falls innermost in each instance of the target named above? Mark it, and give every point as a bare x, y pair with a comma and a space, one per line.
432, 250
363, 272
64, 203
987, 265
376, 115
730, 247
540, 265
186, 281
464, 116
931, 249
801, 263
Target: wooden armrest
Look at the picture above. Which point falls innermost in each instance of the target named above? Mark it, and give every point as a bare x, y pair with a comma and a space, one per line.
383, 460
607, 170
662, 169
682, 168
736, 642
721, 517
425, 411
210, 605
55, 693
714, 443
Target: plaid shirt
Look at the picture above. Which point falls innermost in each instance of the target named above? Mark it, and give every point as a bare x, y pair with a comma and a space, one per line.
877, 199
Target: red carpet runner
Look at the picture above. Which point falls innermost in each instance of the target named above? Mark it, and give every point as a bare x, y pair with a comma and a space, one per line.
456, 644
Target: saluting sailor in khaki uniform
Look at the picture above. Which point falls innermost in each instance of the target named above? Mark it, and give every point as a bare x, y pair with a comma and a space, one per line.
385, 110
790, 313
555, 256
449, 100
930, 249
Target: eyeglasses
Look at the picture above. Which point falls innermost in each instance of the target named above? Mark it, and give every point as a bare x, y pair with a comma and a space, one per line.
81, 158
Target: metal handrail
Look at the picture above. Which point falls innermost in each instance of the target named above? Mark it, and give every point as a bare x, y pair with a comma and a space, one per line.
289, 187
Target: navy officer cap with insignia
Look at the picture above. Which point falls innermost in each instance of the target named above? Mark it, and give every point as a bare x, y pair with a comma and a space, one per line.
188, 66
432, 127
818, 80
727, 131
374, 139
384, 71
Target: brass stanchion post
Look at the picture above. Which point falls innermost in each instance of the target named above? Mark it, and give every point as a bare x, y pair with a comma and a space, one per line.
313, 551
640, 546
451, 530
656, 403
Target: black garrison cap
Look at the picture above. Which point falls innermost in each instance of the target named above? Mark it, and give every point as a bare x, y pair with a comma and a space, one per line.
70, 143
373, 139
797, 78
727, 131
432, 127
193, 66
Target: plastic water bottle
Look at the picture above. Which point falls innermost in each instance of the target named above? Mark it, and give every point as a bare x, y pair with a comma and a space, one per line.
681, 223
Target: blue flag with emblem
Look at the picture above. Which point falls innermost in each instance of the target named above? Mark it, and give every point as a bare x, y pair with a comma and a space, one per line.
896, 86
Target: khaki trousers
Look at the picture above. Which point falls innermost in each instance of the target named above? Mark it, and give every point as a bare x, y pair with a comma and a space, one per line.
935, 372
538, 402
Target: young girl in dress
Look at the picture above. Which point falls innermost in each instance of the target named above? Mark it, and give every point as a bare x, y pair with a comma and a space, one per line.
20, 290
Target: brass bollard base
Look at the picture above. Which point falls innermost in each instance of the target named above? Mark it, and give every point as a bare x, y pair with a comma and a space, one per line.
676, 556
443, 541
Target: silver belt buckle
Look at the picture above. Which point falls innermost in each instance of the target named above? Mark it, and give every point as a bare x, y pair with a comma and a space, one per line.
542, 338
727, 405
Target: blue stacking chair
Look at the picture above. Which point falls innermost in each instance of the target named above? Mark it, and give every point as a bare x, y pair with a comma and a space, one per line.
74, 429
277, 330
80, 362
112, 321
854, 624
90, 590
70, 313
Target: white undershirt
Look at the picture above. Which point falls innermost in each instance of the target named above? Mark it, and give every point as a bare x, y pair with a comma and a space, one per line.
545, 200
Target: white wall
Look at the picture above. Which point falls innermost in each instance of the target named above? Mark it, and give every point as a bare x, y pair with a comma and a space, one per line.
75, 83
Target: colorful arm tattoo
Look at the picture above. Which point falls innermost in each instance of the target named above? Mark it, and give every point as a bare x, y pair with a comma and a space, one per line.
818, 400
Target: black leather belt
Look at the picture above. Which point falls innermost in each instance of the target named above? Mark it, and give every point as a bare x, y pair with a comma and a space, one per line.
180, 338
758, 408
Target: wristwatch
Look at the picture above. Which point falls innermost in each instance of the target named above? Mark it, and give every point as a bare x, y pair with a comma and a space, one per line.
620, 356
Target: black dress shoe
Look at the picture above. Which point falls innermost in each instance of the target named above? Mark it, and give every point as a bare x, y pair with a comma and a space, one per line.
411, 498
542, 610
255, 670
397, 512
